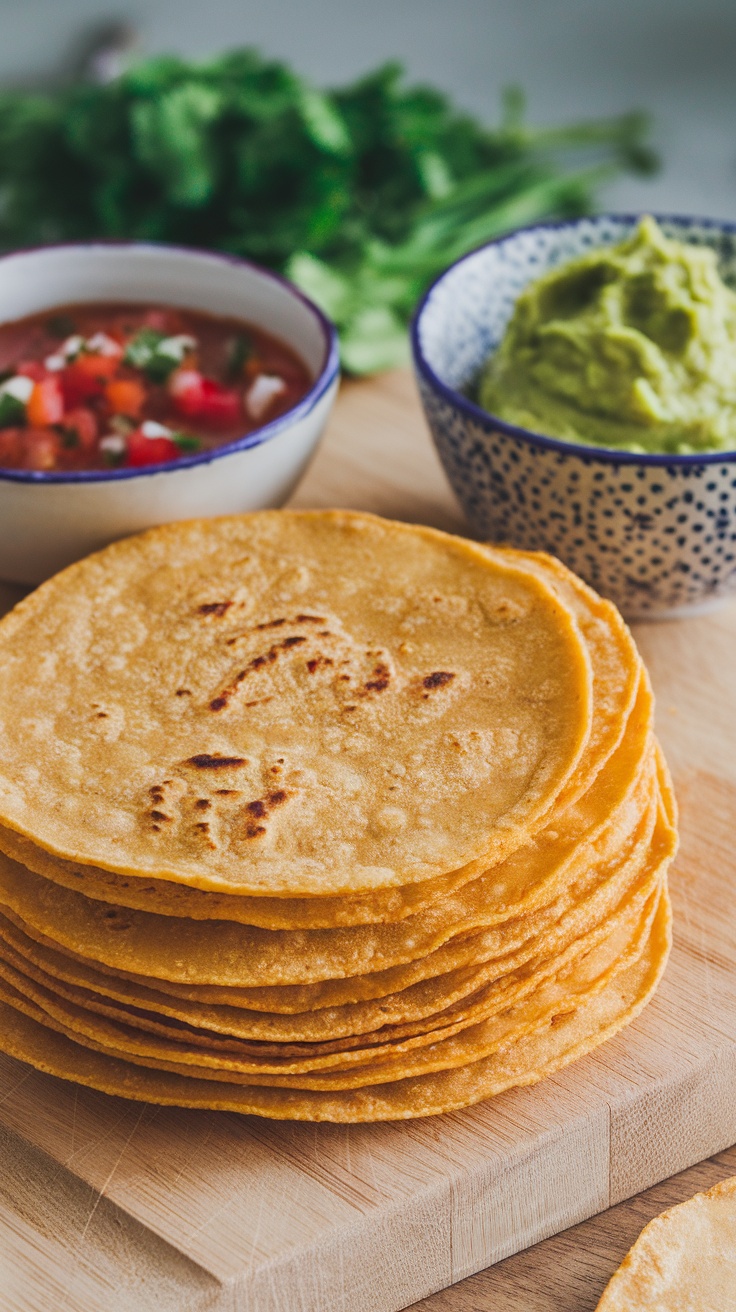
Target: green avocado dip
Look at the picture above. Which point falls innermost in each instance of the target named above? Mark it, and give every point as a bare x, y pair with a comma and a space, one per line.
630, 346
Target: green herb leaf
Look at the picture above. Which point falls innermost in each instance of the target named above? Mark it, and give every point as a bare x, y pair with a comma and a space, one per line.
12, 411
171, 137
141, 349
187, 441
112, 459
330, 289
374, 340
240, 350
323, 121
61, 326
147, 351
363, 194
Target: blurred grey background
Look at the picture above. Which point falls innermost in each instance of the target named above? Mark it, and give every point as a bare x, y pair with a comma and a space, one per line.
573, 58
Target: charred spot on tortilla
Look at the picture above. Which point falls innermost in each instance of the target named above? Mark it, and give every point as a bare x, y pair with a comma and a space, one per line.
439, 679
216, 608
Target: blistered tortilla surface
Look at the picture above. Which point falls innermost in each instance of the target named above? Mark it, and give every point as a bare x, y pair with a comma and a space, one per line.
293, 703
616, 675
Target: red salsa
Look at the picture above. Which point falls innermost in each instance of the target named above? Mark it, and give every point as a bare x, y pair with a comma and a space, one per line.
122, 386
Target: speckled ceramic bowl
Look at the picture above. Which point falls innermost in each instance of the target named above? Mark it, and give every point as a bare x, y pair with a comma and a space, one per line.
655, 533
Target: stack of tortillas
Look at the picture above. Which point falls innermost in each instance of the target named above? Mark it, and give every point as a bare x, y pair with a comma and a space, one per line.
323, 817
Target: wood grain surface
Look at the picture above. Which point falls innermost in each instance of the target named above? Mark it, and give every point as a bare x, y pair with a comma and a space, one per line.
569, 1272
111, 1206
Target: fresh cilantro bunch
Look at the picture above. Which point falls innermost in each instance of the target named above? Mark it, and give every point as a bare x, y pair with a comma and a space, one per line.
361, 195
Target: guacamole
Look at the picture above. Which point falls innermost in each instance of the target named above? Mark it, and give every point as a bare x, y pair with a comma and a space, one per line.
630, 346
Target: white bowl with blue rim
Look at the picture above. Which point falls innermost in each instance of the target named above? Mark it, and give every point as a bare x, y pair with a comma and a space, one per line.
655, 533
47, 520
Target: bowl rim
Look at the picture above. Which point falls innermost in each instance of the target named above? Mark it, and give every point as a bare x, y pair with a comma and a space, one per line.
607, 455
327, 375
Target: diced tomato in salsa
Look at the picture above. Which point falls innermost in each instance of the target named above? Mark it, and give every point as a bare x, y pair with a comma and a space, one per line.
46, 405
87, 376
126, 396
144, 450
135, 386
203, 399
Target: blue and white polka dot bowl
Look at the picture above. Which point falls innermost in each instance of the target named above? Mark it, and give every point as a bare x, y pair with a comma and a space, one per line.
656, 534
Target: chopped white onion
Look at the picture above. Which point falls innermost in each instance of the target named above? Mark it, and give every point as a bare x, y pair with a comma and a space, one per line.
183, 381
101, 344
175, 348
112, 443
262, 391
149, 428
54, 363
19, 387
72, 346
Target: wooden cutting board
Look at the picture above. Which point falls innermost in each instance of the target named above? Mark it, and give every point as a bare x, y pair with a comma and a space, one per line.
110, 1206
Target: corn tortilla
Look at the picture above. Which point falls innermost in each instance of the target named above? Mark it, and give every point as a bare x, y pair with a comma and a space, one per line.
684, 1260
291, 703
615, 662
616, 673
228, 953
588, 919
485, 991
455, 1043
522, 881
476, 952
572, 1035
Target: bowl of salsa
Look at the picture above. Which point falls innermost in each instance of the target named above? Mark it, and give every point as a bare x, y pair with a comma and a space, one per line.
141, 384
